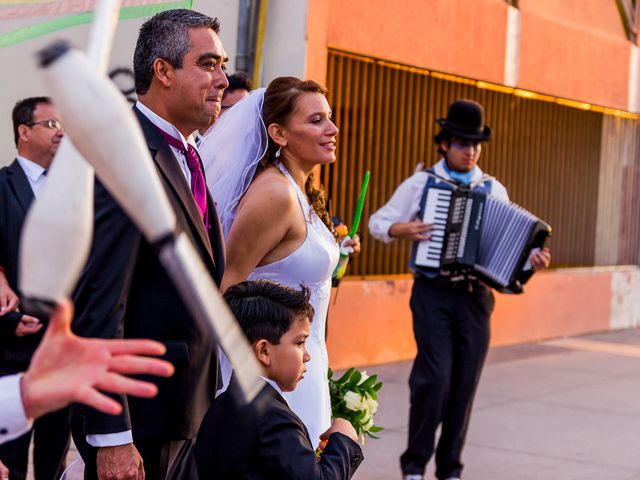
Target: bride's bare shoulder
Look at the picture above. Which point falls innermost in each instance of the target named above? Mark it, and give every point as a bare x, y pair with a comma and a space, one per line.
271, 184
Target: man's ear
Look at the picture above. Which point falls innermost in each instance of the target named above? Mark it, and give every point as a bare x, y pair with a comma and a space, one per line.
278, 134
444, 145
163, 71
23, 132
262, 351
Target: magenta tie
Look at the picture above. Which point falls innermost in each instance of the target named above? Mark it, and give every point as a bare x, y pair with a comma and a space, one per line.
198, 185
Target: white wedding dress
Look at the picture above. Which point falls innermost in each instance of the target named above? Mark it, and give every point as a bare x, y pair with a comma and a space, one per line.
312, 264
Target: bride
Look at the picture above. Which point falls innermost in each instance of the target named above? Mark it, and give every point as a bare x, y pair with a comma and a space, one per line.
258, 159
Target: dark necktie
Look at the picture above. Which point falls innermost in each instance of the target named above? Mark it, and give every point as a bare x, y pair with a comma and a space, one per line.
198, 185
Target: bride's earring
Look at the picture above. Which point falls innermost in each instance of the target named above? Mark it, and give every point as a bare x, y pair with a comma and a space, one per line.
278, 152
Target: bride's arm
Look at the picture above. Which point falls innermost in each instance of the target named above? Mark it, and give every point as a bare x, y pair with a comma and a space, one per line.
265, 215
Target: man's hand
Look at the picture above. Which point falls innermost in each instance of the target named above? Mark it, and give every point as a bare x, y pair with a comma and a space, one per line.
8, 299
415, 231
4, 472
541, 259
122, 463
66, 368
343, 426
28, 325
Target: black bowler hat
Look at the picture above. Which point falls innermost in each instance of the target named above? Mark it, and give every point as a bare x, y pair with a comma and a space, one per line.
465, 119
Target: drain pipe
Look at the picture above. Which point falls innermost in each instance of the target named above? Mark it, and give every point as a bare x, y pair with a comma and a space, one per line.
243, 55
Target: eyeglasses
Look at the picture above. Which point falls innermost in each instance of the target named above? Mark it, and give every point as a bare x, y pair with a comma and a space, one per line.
52, 123
464, 144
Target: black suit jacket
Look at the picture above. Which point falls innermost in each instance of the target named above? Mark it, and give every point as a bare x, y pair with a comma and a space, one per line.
266, 440
124, 291
16, 197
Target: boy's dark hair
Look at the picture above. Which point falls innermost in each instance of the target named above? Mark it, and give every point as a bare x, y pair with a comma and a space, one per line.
267, 309
22, 113
238, 81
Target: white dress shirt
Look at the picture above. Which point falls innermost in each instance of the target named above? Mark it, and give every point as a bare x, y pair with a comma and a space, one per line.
404, 204
13, 420
35, 174
277, 388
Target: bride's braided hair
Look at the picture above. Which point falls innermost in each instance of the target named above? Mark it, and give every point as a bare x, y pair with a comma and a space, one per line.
279, 103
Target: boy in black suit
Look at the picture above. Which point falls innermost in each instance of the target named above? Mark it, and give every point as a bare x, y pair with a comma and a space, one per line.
266, 440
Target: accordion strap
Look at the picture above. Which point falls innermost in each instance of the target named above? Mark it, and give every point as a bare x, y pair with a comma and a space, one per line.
456, 185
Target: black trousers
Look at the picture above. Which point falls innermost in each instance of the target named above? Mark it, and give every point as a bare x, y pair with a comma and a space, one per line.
50, 443
171, 460
451, 328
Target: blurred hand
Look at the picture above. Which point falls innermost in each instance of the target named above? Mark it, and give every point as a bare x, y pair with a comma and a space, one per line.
28, 325
541, 259
350, 246
343, 426
66, 368
122, 463
414, 231
4, 472
8, 299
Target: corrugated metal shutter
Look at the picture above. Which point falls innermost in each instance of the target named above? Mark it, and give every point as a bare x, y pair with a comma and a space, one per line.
546, 151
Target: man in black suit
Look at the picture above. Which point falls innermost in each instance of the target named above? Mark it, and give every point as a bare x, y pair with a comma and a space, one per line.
179, 65
37, 133
266, 440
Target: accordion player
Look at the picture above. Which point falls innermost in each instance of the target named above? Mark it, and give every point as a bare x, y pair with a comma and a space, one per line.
478, 234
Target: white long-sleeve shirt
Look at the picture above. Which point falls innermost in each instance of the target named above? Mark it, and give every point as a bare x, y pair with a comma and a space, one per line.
13, 420
404, 204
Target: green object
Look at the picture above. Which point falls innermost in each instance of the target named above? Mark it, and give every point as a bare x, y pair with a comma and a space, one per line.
126, 13
341, 268
358, 215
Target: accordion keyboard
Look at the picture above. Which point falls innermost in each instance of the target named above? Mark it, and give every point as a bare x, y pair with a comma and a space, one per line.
436, 212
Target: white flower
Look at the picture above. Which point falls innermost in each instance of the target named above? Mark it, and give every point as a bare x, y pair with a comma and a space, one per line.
367, 425
353, 401
369, 404
364, 377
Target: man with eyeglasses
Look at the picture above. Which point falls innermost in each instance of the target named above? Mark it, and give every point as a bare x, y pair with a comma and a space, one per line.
451, 313
37, 133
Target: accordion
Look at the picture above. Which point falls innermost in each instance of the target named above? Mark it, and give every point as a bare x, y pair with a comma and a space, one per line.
476, 232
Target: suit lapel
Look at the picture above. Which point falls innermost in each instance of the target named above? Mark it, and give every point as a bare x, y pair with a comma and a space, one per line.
170, 170
20, 185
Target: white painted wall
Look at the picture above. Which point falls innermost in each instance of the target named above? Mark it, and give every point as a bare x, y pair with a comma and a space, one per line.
512, 51
20, 78
285, 42
625, 301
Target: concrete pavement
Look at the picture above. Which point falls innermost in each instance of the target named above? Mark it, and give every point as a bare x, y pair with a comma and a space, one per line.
564, 409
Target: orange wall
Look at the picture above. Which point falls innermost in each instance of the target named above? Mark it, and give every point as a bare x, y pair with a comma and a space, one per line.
574, 49
443, 35
370, 323
318, 19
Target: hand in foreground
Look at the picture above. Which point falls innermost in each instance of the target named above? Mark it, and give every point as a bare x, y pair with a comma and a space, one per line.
122, 462
541, 259
66, 368
27, 325
4, 472
415, 231
8, 299
343, 426
350, 246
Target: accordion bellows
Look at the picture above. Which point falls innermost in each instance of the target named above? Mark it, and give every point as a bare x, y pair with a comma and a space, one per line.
474, 231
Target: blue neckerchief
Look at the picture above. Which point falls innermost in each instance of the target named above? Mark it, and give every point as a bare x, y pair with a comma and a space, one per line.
463, 178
